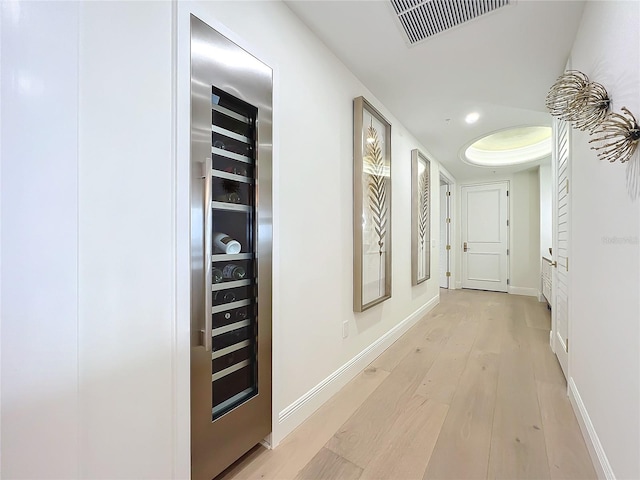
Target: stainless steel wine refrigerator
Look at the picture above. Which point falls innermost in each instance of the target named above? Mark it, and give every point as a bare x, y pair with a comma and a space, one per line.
231, 245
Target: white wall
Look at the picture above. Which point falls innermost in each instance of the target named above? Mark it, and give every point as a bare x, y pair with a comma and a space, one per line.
524, 221
126, 240
604, 362
94, 291
545, 179
525, 233
39, 240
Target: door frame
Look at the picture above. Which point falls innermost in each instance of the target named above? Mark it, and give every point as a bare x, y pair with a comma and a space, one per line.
454, 282
554, 341
462, 229
446, 211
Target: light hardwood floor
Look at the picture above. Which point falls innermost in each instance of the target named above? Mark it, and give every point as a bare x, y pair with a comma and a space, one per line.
472, 391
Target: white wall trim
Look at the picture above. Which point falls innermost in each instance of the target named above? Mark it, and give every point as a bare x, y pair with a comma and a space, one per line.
598, 456
301, 409
530, 292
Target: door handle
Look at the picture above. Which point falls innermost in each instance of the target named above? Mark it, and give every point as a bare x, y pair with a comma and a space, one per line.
207, 168
554, 264
464, 247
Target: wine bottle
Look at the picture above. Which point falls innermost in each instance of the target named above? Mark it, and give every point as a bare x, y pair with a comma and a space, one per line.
233, 272
231, 197
224, 297
225, 244
241, 314
216, 275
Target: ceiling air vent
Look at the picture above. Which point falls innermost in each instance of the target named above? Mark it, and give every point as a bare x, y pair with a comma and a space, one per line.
422, 19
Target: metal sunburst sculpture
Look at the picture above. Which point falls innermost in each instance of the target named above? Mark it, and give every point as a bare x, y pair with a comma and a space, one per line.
573, 98
564, 92
616, 137
591, 107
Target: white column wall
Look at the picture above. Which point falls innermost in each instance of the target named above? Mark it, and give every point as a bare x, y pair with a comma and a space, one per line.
604, 334
39, 240
126, 241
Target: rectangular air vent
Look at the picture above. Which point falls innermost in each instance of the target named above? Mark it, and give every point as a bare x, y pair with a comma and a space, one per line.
421, 19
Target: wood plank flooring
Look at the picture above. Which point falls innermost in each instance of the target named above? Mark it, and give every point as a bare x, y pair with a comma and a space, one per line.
472, 391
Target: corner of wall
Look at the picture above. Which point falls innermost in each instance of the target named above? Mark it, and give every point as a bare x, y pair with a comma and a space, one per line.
595, 448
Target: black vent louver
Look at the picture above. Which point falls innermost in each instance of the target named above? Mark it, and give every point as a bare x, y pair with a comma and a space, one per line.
421, 19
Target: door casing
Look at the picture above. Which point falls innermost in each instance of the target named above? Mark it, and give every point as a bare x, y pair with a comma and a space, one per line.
485, 264
561, 242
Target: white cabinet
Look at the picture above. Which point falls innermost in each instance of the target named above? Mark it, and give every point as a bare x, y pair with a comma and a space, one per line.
547, 279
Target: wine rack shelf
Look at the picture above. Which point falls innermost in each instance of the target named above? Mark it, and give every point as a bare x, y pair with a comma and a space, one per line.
229, 306
232, 207
230, 257
229, 284
230, 113
231, 327
230, 134
224, 351
231, 176
233, 156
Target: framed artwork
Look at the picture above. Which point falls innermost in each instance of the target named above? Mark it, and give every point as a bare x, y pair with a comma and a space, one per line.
420, 218
371, 206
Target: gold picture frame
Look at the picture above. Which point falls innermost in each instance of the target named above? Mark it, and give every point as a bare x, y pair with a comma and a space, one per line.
420, 217
371, 206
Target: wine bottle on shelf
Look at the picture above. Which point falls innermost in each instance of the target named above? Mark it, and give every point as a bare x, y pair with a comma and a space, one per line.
241, 314
237, 171
224, 297
231, 197
233, 272
225, 244
216, 275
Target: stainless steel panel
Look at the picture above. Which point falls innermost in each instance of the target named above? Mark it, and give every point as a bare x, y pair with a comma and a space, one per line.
216, 61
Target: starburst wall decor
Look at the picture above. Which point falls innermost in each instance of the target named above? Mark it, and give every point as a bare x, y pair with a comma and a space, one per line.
573, 98
585, 105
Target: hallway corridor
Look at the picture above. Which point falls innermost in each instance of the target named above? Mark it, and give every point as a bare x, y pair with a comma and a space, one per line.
472, 391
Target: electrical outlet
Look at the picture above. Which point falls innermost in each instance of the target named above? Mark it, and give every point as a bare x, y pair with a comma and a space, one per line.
345, 329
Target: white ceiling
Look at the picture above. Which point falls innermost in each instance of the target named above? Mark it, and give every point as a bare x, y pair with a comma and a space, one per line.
500, 64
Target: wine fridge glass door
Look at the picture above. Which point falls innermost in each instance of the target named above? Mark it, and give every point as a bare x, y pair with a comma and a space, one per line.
231, 251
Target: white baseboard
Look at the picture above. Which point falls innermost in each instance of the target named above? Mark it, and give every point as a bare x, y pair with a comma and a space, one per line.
598, 456
293, 415
266, 442
531, 292
458, 285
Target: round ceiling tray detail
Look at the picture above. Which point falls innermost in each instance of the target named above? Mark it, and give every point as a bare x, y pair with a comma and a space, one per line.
511, 146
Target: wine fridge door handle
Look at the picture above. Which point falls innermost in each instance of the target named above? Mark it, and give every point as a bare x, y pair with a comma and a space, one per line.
207, 168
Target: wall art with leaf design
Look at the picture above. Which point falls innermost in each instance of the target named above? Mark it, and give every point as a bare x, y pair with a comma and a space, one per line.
371, 206
420, 218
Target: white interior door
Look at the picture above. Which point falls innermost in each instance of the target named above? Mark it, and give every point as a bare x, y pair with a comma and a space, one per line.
561, 218
485, 236
444, 236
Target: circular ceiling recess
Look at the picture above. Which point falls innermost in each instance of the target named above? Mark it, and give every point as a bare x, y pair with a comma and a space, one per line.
512, 146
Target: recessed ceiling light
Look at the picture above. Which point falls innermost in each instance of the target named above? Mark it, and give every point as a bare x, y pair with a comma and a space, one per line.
513, 146
472, 117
